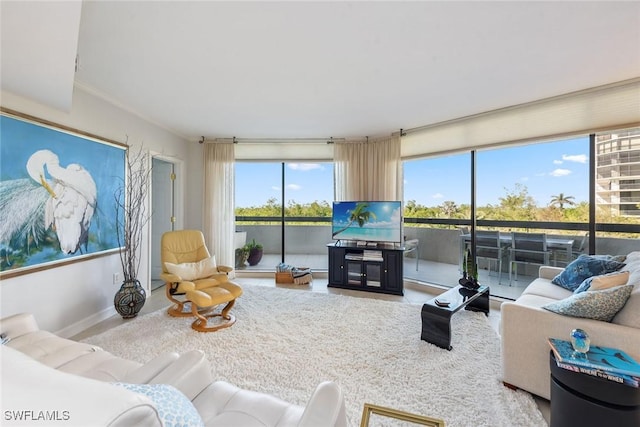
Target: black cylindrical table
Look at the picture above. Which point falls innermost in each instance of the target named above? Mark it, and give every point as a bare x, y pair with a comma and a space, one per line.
584, 400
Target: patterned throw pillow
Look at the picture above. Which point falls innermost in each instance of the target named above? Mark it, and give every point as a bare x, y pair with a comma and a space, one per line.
193, 270
174, 408
605, 281
582, 268
598, 305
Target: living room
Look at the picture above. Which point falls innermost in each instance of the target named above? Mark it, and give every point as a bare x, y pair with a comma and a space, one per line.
42, 82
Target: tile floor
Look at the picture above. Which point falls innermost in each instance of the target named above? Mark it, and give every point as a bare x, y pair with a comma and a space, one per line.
415, 293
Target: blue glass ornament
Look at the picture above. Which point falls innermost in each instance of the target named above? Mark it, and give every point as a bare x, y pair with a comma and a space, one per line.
580, 341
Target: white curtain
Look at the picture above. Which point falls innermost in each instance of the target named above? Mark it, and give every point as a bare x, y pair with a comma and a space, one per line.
368, 170
219, 201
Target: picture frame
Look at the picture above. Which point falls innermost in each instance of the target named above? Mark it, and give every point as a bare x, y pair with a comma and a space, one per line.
370, 409
57, 194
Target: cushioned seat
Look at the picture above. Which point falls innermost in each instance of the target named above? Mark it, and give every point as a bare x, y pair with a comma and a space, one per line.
75, 386
210, 297
191, 271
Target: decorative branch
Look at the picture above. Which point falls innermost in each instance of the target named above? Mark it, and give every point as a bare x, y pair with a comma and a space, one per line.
131, 211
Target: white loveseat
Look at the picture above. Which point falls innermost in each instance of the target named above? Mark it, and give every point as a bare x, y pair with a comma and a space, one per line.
525, 327
47, 379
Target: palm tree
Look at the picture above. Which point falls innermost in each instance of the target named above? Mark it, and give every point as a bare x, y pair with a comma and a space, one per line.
560, 200
359, 215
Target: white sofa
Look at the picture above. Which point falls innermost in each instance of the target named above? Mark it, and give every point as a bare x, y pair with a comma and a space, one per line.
71, 383
525, 327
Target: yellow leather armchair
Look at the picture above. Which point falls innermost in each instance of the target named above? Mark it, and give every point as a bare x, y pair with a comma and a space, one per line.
189, 270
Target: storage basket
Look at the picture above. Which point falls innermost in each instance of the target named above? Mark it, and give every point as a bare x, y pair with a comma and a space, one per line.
286, 277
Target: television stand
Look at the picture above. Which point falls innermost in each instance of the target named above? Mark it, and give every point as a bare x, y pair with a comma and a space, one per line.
362, 268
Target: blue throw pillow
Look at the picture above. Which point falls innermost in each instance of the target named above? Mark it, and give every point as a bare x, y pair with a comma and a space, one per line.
174, 408
582, 268
598, 305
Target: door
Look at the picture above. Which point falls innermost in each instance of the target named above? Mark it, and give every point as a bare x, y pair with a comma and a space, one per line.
163, 218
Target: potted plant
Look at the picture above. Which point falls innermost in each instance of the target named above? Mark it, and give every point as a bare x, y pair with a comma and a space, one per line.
255, 252
242, 254
131, 218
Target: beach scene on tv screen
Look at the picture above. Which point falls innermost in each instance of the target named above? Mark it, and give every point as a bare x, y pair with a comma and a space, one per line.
367, 221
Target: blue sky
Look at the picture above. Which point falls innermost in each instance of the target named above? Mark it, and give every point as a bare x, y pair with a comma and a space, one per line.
546, 170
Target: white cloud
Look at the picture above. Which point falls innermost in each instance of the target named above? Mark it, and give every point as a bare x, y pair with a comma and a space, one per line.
557, 162
560, 172
303, 166
438, 196
275, 188
294, 187
578, 158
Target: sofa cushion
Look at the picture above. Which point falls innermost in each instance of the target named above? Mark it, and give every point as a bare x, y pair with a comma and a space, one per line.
598, 305
174, 408
630, 314
35, 394
604, 281
583, 267
193, 270
543, 287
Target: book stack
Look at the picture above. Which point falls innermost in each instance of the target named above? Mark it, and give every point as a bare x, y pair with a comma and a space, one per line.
602, 362
369, 255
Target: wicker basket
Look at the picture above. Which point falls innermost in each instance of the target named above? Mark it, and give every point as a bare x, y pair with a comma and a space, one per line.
284, 277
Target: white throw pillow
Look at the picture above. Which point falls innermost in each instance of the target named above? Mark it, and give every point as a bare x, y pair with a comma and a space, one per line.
604, 281
193, 270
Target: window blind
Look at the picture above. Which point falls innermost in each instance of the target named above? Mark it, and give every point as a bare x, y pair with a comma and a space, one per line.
607, 107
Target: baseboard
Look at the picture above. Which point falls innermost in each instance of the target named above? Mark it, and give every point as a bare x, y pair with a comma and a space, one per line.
86, 323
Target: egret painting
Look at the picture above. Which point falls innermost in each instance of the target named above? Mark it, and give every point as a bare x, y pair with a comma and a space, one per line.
57, 192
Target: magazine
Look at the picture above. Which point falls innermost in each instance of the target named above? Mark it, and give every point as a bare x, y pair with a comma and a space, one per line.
611, 376
598, 357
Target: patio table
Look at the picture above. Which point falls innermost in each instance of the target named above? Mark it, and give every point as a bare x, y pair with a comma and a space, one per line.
553, 244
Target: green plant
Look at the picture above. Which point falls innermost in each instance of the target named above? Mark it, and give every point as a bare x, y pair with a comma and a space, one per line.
253, 245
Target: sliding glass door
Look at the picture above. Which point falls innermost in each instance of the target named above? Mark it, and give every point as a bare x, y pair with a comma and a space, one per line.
286, 207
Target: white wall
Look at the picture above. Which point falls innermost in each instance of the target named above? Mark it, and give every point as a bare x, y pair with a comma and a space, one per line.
68, 299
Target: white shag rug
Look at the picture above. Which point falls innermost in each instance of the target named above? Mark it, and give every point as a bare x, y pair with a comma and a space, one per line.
286, 341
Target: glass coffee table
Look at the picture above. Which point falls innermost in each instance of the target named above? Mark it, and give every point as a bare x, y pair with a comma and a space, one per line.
436, 317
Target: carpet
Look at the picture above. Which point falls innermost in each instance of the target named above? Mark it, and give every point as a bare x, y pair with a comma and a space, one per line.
286, 341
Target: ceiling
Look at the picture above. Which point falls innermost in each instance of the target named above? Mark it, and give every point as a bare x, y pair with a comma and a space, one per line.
321, 69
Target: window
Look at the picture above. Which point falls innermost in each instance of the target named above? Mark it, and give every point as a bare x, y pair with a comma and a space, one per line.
287, 208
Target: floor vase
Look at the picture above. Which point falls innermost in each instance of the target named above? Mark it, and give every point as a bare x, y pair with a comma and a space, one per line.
129, 299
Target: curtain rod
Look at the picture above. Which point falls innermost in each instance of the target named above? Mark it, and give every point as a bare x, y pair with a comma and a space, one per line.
236, 140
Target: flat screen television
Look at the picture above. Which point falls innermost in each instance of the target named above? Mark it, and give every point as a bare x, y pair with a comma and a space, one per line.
365, 221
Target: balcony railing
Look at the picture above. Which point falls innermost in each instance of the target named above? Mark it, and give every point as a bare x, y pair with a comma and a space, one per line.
438, 256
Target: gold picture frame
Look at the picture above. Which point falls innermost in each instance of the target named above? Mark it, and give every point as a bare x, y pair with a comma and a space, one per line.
399, 415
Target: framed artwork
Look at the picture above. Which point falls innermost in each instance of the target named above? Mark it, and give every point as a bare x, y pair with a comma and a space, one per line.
370, 409
57, 194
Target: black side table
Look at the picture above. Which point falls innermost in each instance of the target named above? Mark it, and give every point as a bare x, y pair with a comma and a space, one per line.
579, 399
436, 320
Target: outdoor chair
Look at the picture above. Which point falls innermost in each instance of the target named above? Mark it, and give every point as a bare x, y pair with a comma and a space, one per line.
488, 247
527, 248
578, 248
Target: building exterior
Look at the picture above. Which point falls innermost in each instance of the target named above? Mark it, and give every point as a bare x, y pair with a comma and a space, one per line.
618, 173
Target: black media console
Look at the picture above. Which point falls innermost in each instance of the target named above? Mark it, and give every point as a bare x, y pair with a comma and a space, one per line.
366, 267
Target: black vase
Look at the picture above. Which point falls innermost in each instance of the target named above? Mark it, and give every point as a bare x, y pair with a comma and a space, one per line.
255, 255
129, 299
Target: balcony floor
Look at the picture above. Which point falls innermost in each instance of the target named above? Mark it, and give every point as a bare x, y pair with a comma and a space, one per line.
427, 272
